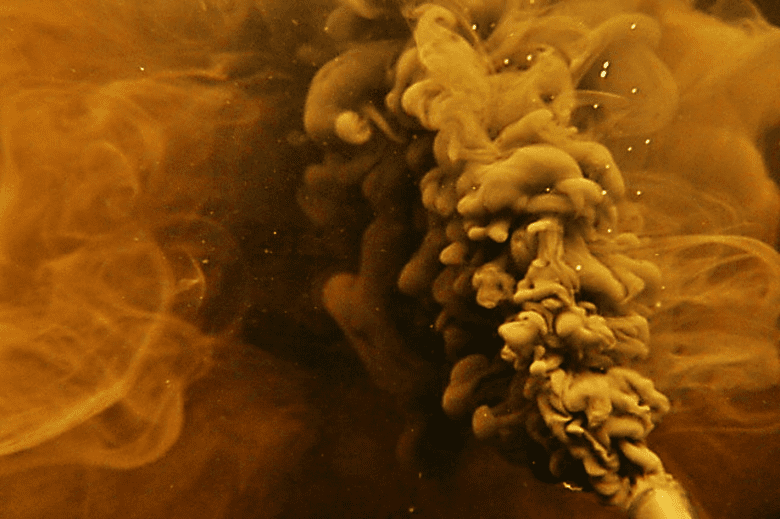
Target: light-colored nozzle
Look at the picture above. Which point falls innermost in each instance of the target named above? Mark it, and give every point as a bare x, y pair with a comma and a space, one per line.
662, 503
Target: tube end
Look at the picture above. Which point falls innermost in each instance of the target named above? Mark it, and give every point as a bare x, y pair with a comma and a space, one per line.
662, 503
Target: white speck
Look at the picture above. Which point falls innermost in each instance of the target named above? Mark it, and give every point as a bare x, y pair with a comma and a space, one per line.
506, 61
638, 192
205, 261
596, 106
578, 267
141, 69
663, 287
605, 64
603, 73
634, 90
647, 141
609, 231
547, 189
658, 304
633, 26
607, 166
603, 192
630, 148
474, 27
529, 57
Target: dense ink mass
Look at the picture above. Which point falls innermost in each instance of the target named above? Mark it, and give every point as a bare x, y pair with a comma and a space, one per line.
528, 215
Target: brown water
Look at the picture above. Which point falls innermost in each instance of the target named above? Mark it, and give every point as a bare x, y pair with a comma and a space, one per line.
166, 348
